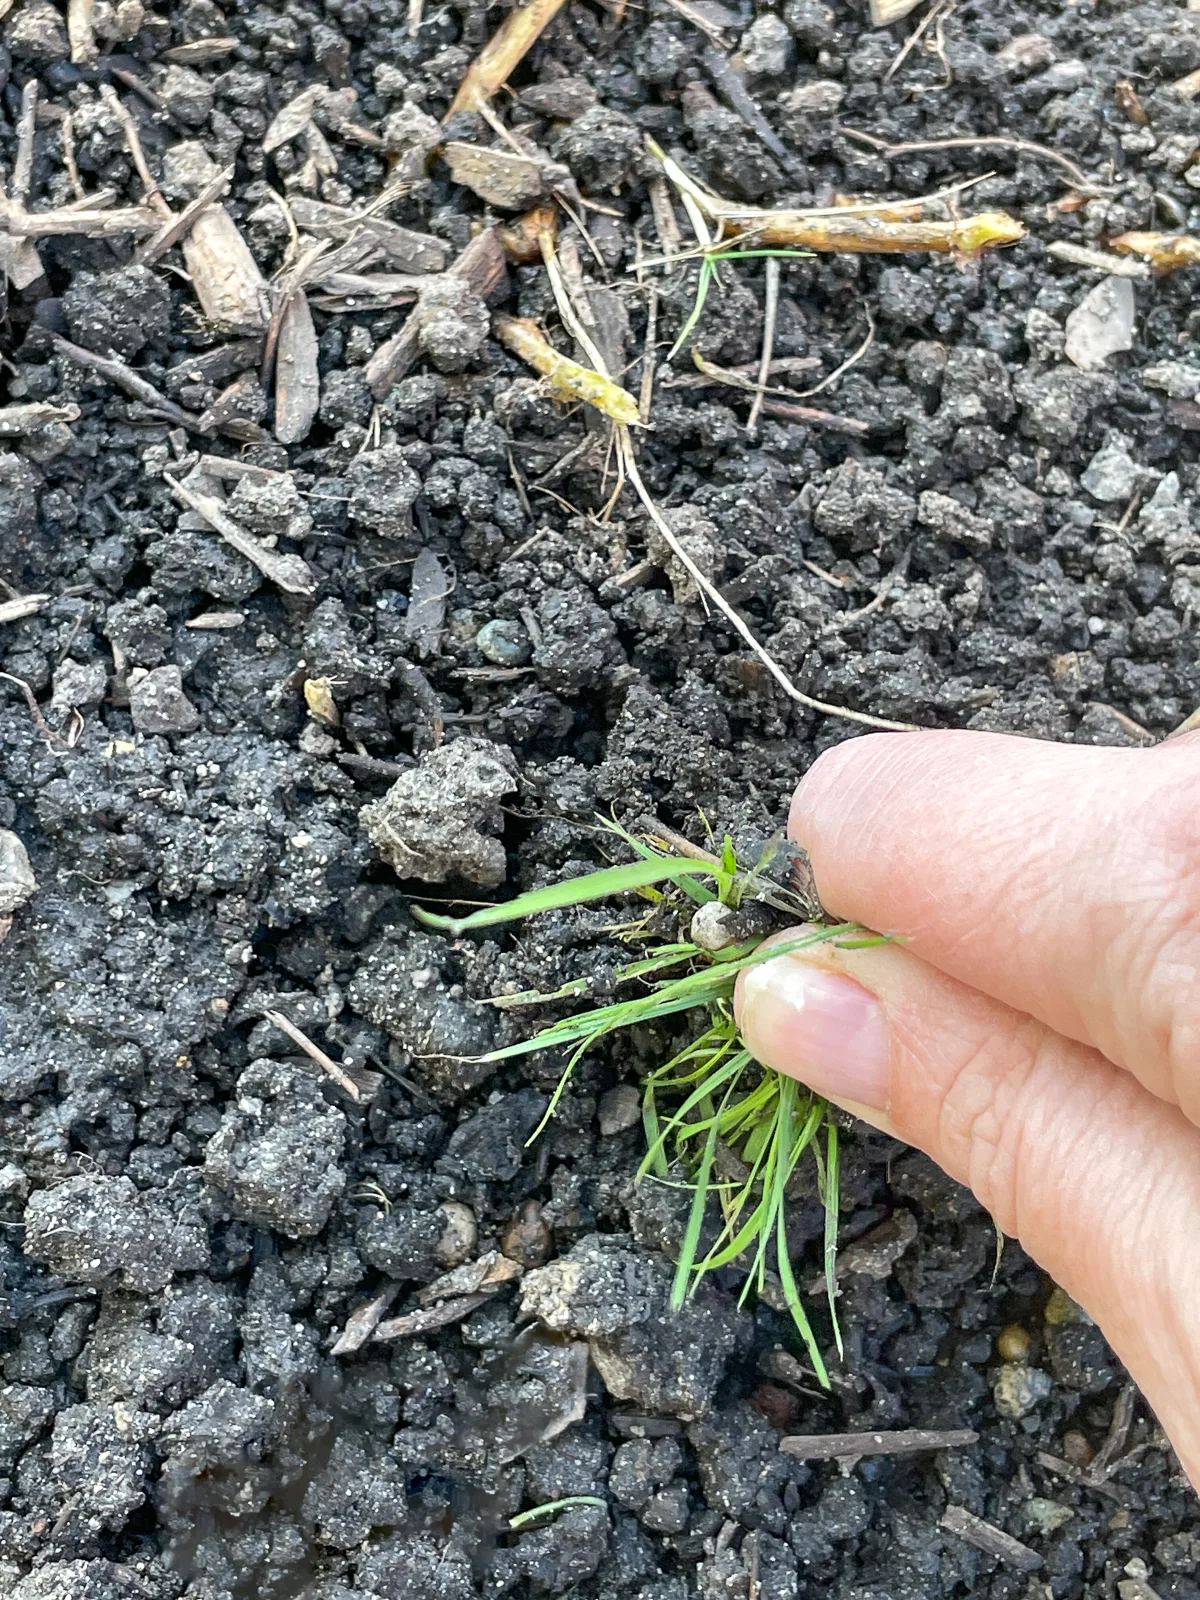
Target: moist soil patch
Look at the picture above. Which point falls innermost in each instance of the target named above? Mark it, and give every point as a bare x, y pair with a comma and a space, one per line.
993, 525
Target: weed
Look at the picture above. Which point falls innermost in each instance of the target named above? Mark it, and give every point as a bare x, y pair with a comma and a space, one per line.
735, 1130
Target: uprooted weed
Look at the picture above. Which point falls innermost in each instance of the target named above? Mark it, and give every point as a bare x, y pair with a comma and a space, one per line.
711, 1109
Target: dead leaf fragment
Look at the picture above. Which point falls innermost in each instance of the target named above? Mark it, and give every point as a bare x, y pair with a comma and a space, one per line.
491, 1271
318, 697
1166, 252
500, 177
297, 382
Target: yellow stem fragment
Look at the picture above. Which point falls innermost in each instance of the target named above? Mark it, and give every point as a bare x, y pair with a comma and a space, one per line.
568, 380
877, 235
503, 53
1166, 252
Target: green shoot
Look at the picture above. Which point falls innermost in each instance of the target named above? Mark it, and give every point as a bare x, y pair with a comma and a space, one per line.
524, 1518
736, 1130
711, 256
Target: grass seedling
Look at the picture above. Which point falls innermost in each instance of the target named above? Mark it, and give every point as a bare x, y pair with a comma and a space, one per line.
552, 1507
716, 1122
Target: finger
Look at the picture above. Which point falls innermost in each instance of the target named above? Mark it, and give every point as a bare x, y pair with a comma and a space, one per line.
1062, 879
1098, 1179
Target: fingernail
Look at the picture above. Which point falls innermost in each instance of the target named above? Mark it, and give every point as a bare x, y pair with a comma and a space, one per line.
817, 1026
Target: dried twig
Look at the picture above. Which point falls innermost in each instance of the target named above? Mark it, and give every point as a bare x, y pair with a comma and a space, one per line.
66, 134
699, 20
733, 88
847, 619
116, 371
646, 393
26, 605
1082, 255
503, 53
291, 573
814, 417
907, 1441
416, 15
355, 1088
770, 313
93, 223
992, 1541
983, 142
178, 227
153, 194
79, 32
22, 172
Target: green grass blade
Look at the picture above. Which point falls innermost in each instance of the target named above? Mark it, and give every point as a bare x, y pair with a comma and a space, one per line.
791, 1294
695, 1222
570, 892
707, 274
829, 1198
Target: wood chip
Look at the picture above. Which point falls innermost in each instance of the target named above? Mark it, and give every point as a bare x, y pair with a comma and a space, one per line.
297, 381
231, 470
992, 1541
231, 290
415, 252
906, 1441
430, 1319
200, 51
291, 573
25, 605
362, 1323
89, 222
483, 266
487, 1274
292, 119
500, 177
503, 53
209, 621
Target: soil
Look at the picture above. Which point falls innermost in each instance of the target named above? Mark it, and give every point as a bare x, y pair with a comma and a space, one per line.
191, 1212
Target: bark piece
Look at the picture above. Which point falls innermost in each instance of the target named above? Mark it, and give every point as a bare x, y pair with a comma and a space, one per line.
232, 291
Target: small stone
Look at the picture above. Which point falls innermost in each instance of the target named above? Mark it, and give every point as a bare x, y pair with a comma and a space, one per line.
458, 1240
948, 519
158, 704
36, 34
1013, 1343
1112, 474
619, 1108
1180, 379
453, 322
1019, 1389
527, 1238
17, 882
1077, 1448
186, 95
1060, 1308
504, 642
1101, 324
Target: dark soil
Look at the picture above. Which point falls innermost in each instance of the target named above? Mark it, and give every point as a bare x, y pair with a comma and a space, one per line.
191, 1212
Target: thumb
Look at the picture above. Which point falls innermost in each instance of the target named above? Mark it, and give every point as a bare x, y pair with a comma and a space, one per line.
1098, 1179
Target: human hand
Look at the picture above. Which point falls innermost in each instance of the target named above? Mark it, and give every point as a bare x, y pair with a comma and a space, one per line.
1037, 1032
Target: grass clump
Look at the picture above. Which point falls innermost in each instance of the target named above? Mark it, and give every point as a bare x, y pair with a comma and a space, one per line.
736, 1130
